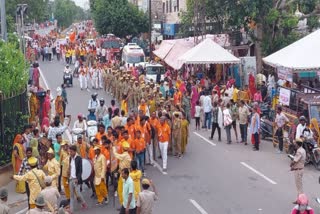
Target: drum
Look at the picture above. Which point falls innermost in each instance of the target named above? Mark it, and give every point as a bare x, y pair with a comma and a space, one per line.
87, 170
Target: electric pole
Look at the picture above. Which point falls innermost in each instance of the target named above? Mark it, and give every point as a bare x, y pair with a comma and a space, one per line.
150, 30
3, 20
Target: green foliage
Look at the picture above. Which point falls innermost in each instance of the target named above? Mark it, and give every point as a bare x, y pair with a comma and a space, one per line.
13, 69
13, 123
277, 24
118, 17
37, 9
67, 12
272, 16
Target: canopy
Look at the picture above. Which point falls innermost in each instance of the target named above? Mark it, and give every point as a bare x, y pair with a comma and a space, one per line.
208, 52
165, 48
300, 55
180, 47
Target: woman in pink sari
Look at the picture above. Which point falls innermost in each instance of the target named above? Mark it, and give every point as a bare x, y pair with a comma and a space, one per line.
194, 98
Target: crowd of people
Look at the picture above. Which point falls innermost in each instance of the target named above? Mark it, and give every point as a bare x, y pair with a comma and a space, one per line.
151, 121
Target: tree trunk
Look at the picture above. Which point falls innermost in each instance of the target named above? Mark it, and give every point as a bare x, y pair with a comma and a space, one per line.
258, 48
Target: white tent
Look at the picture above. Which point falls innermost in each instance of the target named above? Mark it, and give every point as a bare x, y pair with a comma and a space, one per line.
208, 52
303, 54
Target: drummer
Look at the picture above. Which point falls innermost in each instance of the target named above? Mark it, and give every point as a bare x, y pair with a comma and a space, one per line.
100, 176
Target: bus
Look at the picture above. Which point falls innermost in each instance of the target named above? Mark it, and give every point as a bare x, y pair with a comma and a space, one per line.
132, 54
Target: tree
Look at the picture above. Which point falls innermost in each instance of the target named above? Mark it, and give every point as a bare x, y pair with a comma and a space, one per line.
272, 24
37, 9
66, 12
118, 17
13, 68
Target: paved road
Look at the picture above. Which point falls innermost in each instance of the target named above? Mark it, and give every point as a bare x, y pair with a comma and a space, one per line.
212, 177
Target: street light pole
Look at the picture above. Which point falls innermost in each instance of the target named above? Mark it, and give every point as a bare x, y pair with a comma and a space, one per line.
3, 20
150, 30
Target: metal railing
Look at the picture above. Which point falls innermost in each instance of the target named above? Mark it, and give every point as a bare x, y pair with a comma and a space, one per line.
13, 116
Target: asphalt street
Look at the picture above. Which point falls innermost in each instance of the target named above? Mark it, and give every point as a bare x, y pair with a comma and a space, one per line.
212, 177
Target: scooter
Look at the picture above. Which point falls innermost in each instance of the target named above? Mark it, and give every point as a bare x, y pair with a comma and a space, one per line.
75, 133
67, 79
92, 128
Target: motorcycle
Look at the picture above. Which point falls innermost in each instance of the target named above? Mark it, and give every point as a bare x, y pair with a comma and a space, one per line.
266, 127
67, 79
312, 153
265, 110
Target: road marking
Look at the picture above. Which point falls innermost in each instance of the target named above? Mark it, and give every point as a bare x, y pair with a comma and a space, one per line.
205, 139
22, 211
159, 167
199, 208
258, 173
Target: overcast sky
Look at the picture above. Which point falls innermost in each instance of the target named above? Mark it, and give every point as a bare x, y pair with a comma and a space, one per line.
82, 3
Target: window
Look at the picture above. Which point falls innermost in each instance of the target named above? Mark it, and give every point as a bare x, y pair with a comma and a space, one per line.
167, 6
178, 5
163, 7
170, 6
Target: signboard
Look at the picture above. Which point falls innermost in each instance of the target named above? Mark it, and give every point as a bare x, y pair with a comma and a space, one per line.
169, 29
284, 96
285, 74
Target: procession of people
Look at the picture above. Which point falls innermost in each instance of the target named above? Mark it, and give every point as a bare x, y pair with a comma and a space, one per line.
145, 122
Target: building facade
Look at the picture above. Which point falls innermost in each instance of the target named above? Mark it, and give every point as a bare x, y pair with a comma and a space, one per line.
164, 13
172, 10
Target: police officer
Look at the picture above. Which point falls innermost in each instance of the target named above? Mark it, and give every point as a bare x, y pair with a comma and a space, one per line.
297, 165
4, 209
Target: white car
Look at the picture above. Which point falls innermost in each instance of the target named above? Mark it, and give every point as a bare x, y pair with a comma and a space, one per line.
152, 70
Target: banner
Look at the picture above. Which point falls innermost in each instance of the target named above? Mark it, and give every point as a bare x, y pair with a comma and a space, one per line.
284, 74
249, 65
284, 96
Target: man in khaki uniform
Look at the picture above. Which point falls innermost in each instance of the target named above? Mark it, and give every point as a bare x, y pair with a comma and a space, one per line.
135, 90
131, 95
126, 86
120, 89
106, 79
100, 167
113, 81
34, 178
142, 93
40, 203
64, 162
52, 167
297, 166
116, 84
147, 92
4, 208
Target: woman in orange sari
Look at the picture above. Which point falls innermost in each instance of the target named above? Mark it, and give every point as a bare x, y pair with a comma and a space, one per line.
18, 155
59, 105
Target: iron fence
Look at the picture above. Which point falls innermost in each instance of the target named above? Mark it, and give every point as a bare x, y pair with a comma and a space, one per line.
13, 116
